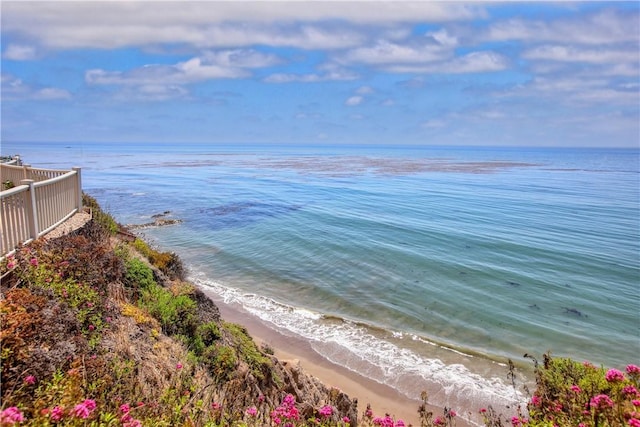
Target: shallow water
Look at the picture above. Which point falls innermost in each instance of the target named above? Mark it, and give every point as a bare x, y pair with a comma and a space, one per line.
416, 266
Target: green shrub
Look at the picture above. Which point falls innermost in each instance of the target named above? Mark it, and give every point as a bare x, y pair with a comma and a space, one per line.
100, 216
176, 314
167, 262
220, 360
138, 274
208, 332
248, 350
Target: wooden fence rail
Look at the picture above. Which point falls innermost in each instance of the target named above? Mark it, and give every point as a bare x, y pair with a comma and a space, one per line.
40, 201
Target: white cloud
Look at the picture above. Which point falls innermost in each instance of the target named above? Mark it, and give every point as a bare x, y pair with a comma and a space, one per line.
576, 54
333, 74
582, 90
52, 93
365, 90
474, 62
434, 124
443, 38
66, 25
14, 88
151, 92
385, 52
354, 100
227, 64
601, 28
19, 52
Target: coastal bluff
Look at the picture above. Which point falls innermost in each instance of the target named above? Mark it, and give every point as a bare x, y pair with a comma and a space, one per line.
92, 319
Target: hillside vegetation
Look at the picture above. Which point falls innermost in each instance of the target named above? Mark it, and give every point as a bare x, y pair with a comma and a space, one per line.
98, 331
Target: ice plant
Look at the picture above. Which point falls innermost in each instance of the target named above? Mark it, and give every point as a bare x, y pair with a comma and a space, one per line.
614, 375
326, 411
601, 401
31, 380
252, 411
10, 416
84, 409
56, 413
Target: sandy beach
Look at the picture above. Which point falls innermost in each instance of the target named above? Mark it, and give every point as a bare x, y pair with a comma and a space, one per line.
383, 399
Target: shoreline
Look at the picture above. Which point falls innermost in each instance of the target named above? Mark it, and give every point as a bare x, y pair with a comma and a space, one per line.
382, 398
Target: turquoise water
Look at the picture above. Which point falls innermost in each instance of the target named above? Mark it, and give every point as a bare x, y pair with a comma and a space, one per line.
420, 267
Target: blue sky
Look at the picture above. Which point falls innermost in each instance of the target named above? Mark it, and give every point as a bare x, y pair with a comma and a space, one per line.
314, 72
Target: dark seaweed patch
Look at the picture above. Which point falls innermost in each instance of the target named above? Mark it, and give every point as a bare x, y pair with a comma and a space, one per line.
240, 214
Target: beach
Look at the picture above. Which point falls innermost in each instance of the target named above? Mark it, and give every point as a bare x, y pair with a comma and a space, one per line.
383, 399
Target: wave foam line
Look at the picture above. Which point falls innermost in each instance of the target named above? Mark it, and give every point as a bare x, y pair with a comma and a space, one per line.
353, 346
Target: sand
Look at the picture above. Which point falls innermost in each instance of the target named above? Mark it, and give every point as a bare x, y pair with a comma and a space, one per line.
383, 399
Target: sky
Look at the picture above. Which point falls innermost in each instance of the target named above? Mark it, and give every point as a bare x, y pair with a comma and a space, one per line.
322, 72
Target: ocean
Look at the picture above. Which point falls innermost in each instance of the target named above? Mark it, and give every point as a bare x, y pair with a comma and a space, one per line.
418, 267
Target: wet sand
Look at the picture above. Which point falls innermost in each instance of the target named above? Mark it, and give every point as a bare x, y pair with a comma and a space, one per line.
383, 399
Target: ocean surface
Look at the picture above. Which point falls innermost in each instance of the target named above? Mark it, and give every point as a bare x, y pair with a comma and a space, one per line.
419, 267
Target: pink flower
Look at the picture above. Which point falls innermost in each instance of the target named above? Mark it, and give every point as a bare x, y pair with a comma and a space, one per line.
601, 401
326, 411
634, 422
31, 380
11, 416
252, 411
125, 408
452, 413
33, 262
91, 327
346, 420
613, 375
439, 421
576, 389
179, 366
57, 413
635, 402
630, 390
84, 409
10, 265
132, 423
400, 423
633, 369
484, 410
535, 401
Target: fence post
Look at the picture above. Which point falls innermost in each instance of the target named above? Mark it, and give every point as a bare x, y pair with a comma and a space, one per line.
25, 168
31, 209
79, 184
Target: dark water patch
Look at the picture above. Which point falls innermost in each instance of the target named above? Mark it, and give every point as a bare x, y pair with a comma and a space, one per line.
574, 311
240, 214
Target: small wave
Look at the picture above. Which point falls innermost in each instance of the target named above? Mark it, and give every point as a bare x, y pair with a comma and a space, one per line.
366, 351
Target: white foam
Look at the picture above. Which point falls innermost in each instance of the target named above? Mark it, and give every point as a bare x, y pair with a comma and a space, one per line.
355, 347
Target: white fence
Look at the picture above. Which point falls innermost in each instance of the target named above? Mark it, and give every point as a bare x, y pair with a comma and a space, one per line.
40, 201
